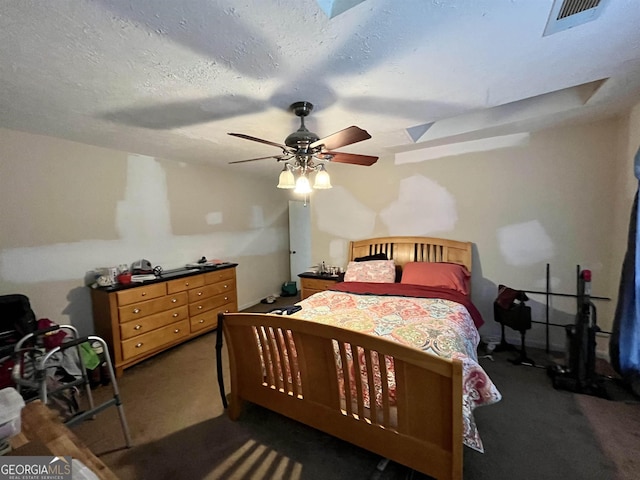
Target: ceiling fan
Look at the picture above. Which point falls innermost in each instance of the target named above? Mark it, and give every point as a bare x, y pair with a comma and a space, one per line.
305, 152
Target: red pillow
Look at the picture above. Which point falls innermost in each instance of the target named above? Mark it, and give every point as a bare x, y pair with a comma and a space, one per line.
439, 275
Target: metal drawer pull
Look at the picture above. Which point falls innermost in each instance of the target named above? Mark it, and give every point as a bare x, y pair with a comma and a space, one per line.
174, 300
174, 315
138, 345
199, 307
226, 286
201, 321
144, 294
199, 293
226, 298
186, 284
177, 330
137, 327
136, 310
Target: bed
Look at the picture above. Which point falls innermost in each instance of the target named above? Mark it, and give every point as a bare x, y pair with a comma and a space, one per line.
386, 360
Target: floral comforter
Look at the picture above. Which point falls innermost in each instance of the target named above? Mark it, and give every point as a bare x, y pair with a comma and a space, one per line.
442, 322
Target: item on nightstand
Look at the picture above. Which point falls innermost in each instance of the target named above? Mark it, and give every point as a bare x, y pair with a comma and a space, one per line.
124, 278
106, 276
203, 263
112, 273
141, 267
143, 277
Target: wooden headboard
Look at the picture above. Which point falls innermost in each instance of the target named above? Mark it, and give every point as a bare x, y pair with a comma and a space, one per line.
414, 249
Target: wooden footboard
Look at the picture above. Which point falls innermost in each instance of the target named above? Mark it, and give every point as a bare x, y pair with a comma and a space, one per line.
294, 367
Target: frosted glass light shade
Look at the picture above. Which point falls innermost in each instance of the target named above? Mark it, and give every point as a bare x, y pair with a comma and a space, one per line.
322, 179
286, 179
302, 185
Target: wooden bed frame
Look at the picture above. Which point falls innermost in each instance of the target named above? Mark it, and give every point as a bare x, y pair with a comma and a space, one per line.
422, 431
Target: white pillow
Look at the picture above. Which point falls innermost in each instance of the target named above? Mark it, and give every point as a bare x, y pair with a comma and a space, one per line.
373, 271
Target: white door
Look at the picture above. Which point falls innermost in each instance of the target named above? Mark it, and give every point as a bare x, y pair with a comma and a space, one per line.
299, 238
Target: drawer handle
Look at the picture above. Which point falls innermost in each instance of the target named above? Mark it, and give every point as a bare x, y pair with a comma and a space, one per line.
226, 286
201, 321
175, 315
138, 345
177, 330
144, 294
186, 284
226, 298
199, 293
174, 300
136, 310
199, 307
226, 311
137, 327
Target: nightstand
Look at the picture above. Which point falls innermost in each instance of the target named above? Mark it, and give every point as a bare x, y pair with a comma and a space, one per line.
311, 283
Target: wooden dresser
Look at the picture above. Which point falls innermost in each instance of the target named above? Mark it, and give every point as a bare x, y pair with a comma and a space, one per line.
311, 283
138, 322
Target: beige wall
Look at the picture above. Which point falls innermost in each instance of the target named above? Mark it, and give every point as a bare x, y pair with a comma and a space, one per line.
556, 200
68, 208
563, 198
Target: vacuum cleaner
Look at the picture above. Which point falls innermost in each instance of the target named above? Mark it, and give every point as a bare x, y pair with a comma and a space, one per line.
579, 373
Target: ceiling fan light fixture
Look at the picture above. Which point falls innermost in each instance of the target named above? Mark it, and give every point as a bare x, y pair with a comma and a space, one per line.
303, 151
302, 185
322, 180
286, 179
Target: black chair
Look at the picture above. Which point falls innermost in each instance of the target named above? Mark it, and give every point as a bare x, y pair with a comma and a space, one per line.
16, 320
510, 310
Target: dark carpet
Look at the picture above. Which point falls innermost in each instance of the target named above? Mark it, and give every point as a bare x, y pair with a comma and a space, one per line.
181, 431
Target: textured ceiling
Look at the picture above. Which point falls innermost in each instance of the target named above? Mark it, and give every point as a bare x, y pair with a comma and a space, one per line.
169, 78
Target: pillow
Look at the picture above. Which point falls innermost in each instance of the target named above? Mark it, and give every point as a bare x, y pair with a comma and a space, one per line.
368, 258
437, 274
374, 271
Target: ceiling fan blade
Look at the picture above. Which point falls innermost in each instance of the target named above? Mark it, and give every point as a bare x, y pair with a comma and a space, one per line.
352, 158
344, 137
277, 157
267, 142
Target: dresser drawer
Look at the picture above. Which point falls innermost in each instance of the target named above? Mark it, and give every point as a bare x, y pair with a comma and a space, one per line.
146, 324
184, 284
138, 294
207, 304
210, 290
317, 283
210, 319
155, 339
220, 275
143, 309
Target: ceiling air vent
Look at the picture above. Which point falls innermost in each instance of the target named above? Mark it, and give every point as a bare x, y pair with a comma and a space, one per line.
567, 14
